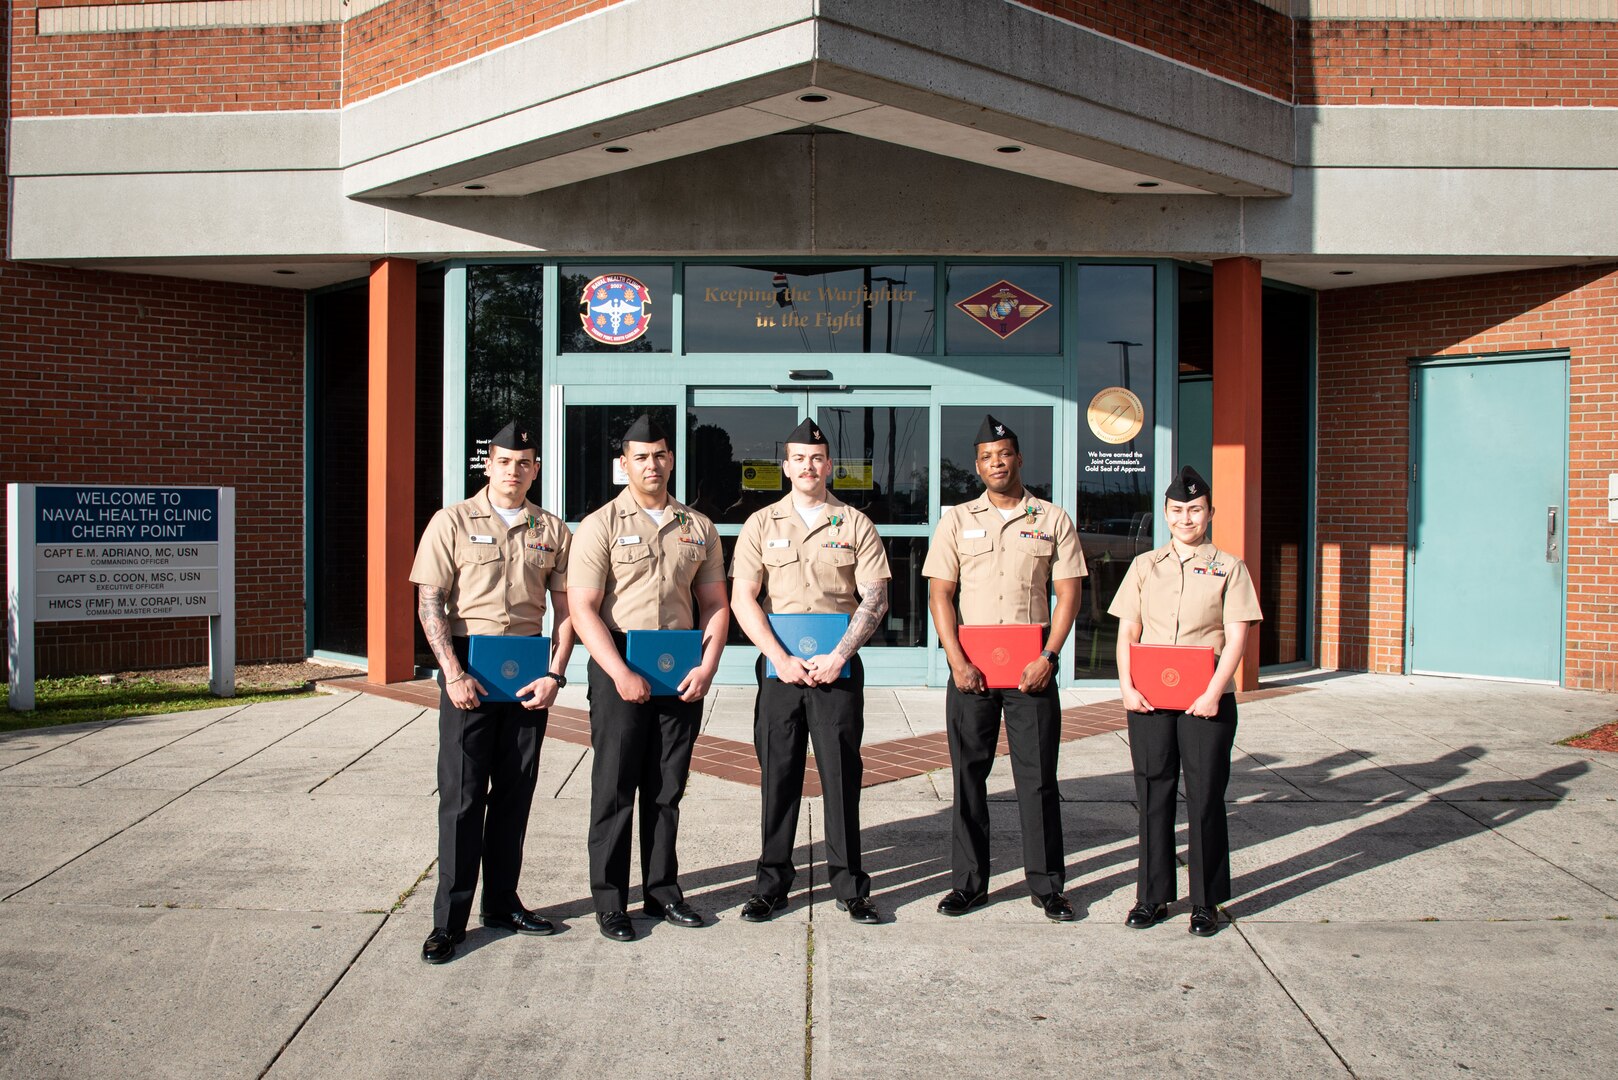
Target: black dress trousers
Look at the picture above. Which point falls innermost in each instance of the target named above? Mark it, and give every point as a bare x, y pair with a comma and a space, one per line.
488, 761
785, 719
644, 748
1034, 732
1161, 743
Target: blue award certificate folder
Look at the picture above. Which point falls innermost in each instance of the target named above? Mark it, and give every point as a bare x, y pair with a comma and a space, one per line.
505, 665
663, 657
809, 635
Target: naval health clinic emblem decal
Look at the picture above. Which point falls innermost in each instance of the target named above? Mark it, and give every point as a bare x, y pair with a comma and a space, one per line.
615, 309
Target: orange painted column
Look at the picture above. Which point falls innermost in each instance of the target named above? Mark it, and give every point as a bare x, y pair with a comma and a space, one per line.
1238, 401
390, 474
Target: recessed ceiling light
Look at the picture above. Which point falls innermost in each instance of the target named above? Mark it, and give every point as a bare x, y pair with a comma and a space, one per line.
472, 187
1342, 273
812, 99
617, 149
289, 272
1148, 183
1008, 149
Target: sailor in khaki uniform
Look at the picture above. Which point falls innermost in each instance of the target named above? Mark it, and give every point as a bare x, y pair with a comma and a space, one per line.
635, 564
810, 553
998, 556
1188, 592
483, 567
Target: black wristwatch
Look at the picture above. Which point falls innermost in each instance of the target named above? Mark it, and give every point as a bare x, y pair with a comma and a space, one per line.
561, 680
1051, 657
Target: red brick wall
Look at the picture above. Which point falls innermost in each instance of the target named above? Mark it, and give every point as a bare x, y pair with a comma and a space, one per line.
1366, 335
172, 71
1457, 63
403, 40
112, 378
1243, 41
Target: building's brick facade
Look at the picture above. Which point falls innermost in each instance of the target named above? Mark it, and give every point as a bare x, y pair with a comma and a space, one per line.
124, 379
1471, 62
1307, 62
231, 69
1366, 337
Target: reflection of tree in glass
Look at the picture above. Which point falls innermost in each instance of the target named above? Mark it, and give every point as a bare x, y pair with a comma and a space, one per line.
573, 337
714, 477
504, 310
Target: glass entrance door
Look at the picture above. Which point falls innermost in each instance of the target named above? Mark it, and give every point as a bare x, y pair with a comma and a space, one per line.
882, 451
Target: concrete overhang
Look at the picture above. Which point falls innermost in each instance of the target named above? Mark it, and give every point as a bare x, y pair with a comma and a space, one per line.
980, 81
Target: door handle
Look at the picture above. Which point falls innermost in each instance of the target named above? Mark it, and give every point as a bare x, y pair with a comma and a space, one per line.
1552, 547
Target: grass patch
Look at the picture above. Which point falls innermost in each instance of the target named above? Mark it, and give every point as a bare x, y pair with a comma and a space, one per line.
82, 699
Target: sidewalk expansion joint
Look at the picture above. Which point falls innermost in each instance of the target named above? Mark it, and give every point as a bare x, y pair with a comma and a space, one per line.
310, 1015
1296, 1004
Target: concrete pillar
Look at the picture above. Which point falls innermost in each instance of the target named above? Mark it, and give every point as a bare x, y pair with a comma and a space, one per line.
390, 473
1238, 401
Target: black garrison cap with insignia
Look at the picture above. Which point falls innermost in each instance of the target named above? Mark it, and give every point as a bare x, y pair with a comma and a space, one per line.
992, 430
807, 433
645, 429
1188, 485
515, 436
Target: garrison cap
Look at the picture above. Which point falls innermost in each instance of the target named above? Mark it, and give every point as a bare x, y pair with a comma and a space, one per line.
645, 429
515, 436
992, 430
807, 433
1189, 485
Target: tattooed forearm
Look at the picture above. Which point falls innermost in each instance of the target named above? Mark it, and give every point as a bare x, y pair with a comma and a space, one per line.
863, 623
430, 610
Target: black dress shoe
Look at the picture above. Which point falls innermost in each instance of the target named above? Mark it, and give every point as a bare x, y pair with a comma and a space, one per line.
1143, 915
1204, 921
440, 945
760, 908
615, 925
1057, 909
521, 921
956, 903
860, 910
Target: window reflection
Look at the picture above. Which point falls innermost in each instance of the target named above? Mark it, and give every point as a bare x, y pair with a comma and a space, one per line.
879, 460
801, 309
594, 441
504, 348
1116, 319
959, 481
733, 463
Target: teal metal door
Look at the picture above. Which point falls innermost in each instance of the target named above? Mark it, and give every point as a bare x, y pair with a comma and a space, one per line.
1489, 462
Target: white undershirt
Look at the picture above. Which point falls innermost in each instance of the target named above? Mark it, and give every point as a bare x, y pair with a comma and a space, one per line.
1007, 515
656, 515
809, 514
510, 517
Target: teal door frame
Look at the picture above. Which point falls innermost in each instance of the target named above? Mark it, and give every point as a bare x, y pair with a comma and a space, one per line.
937, 379
1418, 365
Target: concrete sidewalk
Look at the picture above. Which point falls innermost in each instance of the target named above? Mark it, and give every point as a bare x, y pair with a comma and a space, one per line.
1425, 887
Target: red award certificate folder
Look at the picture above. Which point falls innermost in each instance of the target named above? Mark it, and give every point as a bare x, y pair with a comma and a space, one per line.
1171, 676
1001, 652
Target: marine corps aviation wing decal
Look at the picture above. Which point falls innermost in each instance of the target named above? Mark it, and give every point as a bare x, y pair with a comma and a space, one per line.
1003, 308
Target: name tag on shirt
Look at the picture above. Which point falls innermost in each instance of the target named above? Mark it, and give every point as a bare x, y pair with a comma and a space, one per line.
624, 540
476, 539
974, 534
777, 543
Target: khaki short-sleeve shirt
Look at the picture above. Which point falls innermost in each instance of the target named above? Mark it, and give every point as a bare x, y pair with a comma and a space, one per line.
1186, 603
644, 570
1004, 567
494, 576
806, 571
